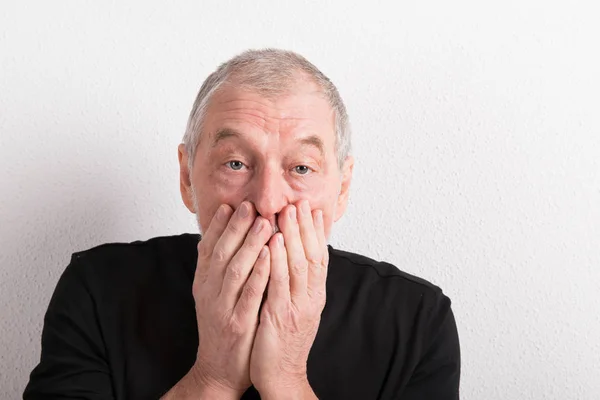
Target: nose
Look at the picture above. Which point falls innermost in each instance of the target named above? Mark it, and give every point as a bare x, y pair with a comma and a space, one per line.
270, 193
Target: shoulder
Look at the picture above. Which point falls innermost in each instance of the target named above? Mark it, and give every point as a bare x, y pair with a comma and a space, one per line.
381, 288
347, 265
120, 264
122, 251
407, 321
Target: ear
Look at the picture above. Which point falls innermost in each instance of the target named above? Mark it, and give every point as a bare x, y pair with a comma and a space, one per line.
342, 200
185, 184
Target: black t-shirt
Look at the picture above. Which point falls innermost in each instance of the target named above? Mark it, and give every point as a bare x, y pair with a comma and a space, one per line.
121, 324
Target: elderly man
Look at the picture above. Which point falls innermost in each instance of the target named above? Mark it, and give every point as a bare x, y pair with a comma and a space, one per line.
261, 306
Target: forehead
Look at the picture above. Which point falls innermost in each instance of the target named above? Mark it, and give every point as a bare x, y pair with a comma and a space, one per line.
302, 109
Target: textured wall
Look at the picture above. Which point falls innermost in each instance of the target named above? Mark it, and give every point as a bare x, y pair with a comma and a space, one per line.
477, 139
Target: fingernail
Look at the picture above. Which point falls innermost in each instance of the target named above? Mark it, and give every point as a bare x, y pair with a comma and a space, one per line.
292, 213
279, 240
319, 217
304, 208
263, 252
257, 226
221, 212
244, 210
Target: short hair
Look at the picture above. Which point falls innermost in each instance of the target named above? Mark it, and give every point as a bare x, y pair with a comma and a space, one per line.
269, 72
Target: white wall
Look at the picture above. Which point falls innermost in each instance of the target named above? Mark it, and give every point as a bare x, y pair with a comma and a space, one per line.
477, 139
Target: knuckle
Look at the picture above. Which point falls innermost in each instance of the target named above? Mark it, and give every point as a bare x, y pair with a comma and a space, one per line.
259, 271
252, 243
203, 251
197, 284
324, 262
234, 228
318, 293
243, 306
235, 326
219, 254
313, 259
280, 279
200, 302
234, 272
251, 292
298, 266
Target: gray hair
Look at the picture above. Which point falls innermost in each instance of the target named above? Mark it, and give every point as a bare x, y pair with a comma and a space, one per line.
269, 72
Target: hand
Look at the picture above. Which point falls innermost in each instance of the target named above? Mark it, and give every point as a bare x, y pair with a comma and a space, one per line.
229, 283
291, 314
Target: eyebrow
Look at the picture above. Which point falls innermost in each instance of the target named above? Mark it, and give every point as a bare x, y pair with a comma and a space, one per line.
226, 133
223, 134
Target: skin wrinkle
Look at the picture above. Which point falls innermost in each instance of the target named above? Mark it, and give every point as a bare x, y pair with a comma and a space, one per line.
278, 129
227, 133
272, 74
269, 143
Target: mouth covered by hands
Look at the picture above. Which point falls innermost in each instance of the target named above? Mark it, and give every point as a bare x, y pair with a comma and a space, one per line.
246, 335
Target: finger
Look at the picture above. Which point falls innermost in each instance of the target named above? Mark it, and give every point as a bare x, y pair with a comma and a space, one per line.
209, 239
317, 274
251, 297
319, 225
296, 259
240, 266
279, 279
310, 241
229, 243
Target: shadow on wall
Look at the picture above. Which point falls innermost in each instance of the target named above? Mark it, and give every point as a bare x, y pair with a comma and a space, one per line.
52, 207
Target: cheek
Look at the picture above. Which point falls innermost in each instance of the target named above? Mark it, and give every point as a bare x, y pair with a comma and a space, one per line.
227, 190
322, 193
323, 196
212, 191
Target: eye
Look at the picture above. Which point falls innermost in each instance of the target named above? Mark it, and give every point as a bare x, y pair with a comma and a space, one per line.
235, 165
302, 169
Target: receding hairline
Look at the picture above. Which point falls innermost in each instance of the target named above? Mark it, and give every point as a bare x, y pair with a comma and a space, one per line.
295, 88
294, 85
270, 73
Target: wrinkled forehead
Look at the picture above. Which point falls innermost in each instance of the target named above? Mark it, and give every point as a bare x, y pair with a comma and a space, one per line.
301, 110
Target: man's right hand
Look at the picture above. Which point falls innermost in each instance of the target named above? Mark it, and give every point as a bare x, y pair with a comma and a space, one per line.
231, 276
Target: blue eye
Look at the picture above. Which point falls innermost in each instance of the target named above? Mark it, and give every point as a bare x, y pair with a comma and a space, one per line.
235, 165
302, 169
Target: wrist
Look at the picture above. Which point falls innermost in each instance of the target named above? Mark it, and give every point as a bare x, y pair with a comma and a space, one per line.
194, 387
208, 388
299, 391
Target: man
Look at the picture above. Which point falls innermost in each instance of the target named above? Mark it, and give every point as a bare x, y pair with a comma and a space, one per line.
261, 306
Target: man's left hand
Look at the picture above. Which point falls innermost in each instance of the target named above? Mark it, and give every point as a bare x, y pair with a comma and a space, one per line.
296, 296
